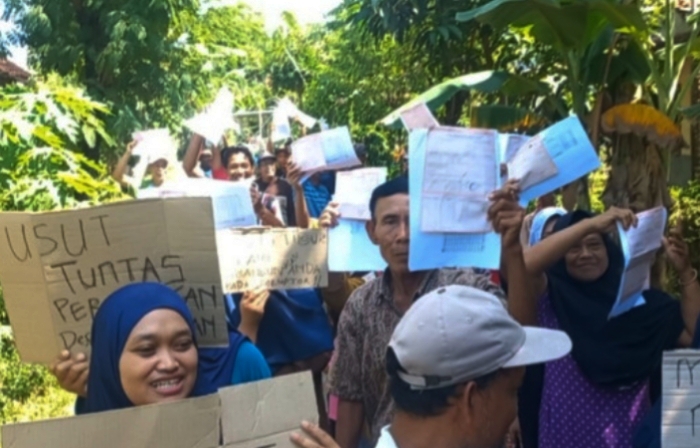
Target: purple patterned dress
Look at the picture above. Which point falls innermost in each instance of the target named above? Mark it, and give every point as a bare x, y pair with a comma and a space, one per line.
578, 414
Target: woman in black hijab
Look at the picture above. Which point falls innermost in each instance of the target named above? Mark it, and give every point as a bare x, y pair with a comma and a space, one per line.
598, 395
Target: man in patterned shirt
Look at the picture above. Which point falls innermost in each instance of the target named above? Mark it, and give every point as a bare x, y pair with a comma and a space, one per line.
359, 377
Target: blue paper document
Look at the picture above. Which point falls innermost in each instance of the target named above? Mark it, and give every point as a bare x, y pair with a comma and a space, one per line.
552, 159
441, 250
639, 247
351, 250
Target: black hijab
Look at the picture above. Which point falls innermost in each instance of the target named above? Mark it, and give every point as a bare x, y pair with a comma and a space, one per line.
613, 353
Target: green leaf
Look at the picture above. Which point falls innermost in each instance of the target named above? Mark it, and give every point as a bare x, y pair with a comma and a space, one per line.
691, 112
485, 82
504, 118
564, 25
89, 135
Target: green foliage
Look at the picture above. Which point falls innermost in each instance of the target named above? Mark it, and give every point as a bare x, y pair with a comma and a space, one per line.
42, 128
687, 211
126, 52
27, 392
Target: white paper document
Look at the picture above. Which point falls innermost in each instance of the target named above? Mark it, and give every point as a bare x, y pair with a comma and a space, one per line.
292, 111
327, 150
351, 250
231, 200
216, 120
639, 246
461, 171
512, 144
417, 117
353, 191
531, 164
443, 250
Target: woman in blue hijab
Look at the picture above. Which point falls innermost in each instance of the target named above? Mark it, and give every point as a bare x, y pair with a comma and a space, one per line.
144, 351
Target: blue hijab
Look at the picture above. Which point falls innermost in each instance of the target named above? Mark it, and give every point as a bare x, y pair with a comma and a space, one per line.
540, 221
114, 322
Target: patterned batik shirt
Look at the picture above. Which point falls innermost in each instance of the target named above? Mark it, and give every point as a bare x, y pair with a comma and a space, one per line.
364, 331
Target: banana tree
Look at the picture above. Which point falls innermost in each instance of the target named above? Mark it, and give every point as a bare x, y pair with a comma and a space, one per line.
581, 33
645, 134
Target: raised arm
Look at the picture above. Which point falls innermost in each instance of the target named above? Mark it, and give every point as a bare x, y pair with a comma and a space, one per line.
679, 256
507, 217
546, 253
189, 163
301, 210
119, 173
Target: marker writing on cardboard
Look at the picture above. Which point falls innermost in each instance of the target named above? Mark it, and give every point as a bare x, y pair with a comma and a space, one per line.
52, 238
690, 366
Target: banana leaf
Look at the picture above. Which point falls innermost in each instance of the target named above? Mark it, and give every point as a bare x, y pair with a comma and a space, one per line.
505, 118
485, 82
562, 24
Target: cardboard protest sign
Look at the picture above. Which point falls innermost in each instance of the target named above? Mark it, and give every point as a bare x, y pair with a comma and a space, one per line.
58, 267
272, 258
205, 422
680, 418
192, 423
280, 405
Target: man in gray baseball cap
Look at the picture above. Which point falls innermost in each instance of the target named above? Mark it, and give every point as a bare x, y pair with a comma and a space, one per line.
455, 363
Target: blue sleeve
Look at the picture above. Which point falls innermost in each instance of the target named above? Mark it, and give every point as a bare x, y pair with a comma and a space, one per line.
250, 365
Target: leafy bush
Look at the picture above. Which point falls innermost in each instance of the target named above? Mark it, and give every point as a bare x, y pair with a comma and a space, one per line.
27, 392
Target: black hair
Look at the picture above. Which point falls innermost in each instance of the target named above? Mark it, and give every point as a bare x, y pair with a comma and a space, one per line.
425, 403
398, 185
231, 150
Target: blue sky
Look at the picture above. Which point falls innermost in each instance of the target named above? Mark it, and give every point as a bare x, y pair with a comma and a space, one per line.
307, 11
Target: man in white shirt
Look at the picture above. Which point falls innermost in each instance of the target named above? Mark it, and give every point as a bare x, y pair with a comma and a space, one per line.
455, 363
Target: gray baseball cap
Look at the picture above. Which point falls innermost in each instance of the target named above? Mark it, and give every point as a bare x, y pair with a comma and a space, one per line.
457, 334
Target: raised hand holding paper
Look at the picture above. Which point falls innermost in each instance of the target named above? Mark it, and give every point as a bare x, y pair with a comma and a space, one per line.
639, 246
353, 191
292, 111
461, 170
567, 147
418, 117
327, 150
443, 250
213, 123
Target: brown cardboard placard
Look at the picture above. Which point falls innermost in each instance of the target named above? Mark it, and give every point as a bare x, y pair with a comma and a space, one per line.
57, 267
289, 258
265, 413
192, 423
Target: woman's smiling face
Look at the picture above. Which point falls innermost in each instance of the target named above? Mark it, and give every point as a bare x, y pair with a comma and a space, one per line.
159, 361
